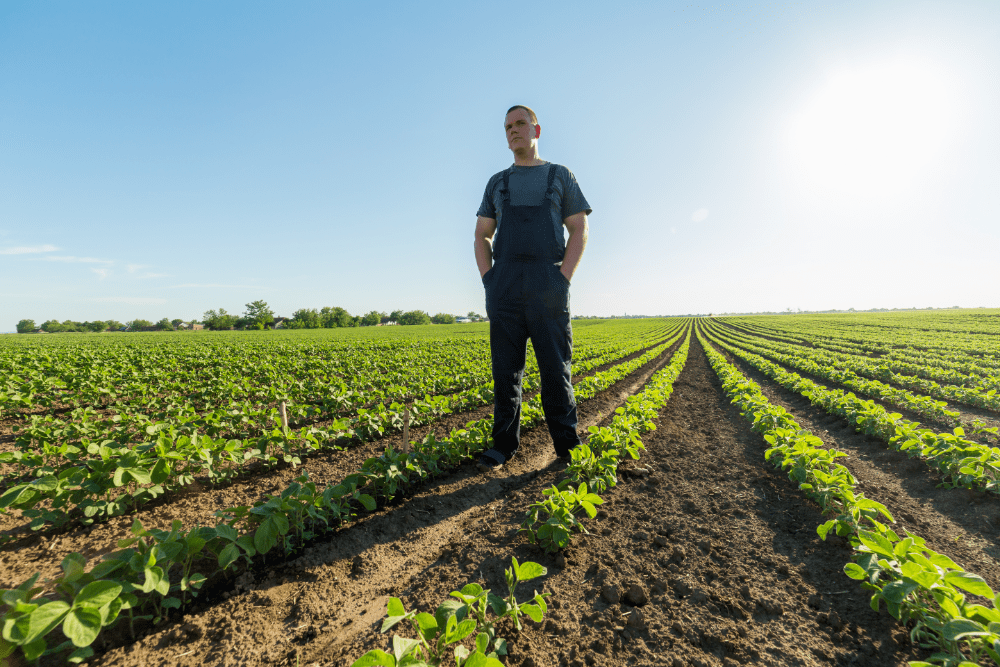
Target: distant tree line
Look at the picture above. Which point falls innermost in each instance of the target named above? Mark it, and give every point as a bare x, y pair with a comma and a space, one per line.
97, 326
257, 316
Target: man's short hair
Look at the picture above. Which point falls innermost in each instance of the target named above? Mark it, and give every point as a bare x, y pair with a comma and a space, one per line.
531, 113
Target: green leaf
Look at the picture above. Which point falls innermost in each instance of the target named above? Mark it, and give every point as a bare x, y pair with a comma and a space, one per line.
528, 571
477, 659
228, 555
375, 658
943, 561
97, 594
368, 502
877, 544
482, 642
971, 583
395, 607
962, 627
855, 571
41, 621
74, 566
265, 537
82, 625
533, 611
160, 471
446, 610
34, 650
462, 630
226, 531
80, 654
403, 646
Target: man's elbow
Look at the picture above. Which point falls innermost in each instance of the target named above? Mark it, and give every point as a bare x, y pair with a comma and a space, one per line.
577, 224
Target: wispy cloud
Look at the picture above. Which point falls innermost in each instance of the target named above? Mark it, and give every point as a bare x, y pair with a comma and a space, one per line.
699, 215
28, 250
103, 273
132, 268
130, 300
153, 275
199, 285
70, 258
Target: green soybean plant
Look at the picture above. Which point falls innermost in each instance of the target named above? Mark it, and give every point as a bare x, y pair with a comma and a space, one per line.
440, 635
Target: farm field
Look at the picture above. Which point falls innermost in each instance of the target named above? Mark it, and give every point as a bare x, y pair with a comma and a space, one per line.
173, 518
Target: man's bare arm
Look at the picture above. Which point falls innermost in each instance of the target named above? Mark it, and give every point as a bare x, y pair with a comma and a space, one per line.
485, 229
575, 244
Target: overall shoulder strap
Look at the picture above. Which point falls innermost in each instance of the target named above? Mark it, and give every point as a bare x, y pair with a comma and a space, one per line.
549, 190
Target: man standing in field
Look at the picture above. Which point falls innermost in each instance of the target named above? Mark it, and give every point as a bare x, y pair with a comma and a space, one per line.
526, 265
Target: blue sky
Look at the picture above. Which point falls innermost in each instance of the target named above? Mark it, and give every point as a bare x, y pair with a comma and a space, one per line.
160, 159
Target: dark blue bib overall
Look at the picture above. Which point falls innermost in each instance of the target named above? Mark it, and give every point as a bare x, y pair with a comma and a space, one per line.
528, 297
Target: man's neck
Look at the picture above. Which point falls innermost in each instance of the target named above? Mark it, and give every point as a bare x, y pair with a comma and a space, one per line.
528, 158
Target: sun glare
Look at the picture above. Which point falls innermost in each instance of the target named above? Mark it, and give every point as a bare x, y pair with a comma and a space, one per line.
870, 131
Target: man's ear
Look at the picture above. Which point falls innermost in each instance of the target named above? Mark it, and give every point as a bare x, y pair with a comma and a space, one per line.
538, 131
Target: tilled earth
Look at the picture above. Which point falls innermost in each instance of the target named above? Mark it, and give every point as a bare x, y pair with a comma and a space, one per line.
703, 555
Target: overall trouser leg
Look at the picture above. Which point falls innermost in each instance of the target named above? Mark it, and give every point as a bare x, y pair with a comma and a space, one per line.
508, 348
548, 321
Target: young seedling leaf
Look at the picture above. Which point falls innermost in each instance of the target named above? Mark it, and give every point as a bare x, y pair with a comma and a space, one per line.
403, 646
395, 607
529, 570
375, 658
962, 627
82, 625
97, 594
971, 583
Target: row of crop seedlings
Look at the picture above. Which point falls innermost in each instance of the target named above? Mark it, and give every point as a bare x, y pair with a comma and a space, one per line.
158, 570
972, 390
925, 590
962, 462
923, 405
313, 397
246, 374
852, 375
939, 342
923, 363
340, 401
79, 470
550, 523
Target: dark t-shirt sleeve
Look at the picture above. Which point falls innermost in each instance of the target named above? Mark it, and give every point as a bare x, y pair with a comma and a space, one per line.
487, 209
573, 201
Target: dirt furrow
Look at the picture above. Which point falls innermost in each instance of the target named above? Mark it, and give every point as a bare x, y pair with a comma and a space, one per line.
960, 523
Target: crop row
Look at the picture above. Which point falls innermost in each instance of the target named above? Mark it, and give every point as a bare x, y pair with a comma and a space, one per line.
874, 333
923, 589
221, 371
158, 570
845, 373
963, 463
81, 486
217, 376
971, 389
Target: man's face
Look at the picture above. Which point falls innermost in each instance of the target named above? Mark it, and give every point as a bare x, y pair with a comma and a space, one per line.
521, 133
